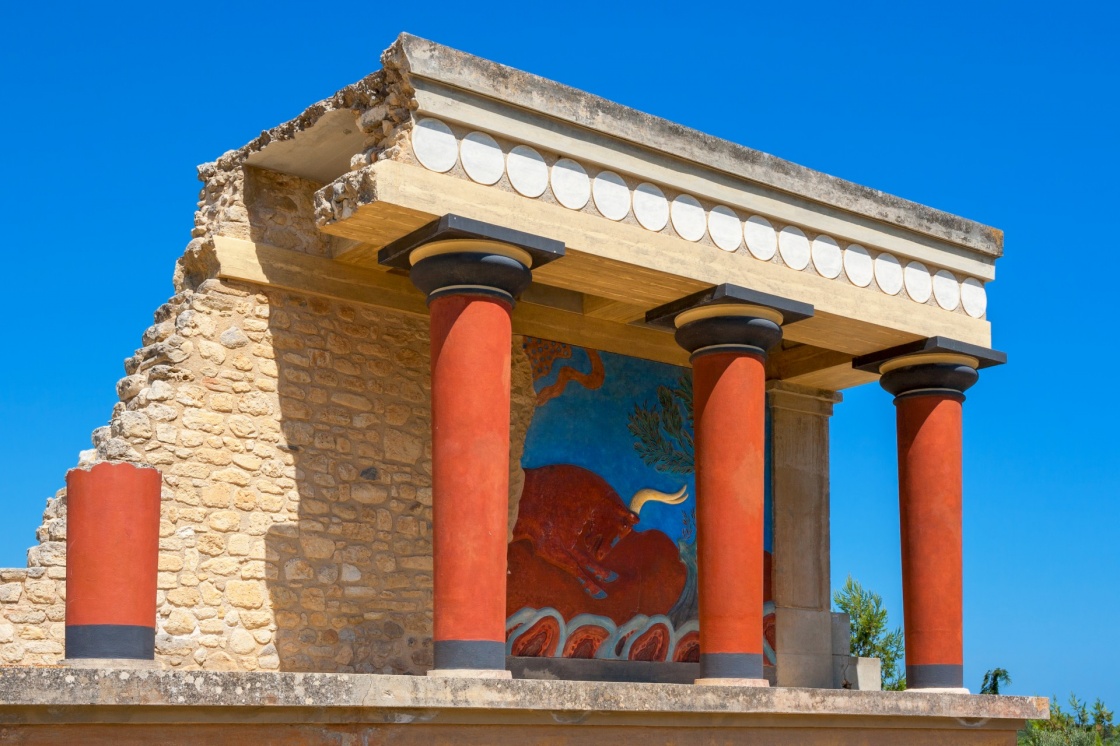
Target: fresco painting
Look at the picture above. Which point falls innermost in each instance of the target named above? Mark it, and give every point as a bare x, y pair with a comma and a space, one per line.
602, 561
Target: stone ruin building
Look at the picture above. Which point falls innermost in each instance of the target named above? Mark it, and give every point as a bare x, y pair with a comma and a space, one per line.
486, 409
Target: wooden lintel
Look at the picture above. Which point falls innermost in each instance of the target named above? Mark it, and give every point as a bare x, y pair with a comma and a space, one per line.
612, 310
817, 367
260, 264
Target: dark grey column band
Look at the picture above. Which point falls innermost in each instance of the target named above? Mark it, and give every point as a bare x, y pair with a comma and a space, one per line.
471, 273
935, 676
731, 665
933, 378
110, 641
479, 654
729, 334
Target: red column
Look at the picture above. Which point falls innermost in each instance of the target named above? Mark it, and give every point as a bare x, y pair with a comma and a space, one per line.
471, 337
730, 401
929, 488
112, 553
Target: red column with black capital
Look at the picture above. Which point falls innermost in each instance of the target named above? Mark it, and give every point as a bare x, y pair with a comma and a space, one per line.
729, 331
472, 274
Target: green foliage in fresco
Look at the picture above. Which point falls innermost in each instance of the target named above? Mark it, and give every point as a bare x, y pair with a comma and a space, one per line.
663, 430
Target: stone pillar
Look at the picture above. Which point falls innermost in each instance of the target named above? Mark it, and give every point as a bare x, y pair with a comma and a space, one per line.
112, 555
929, 384
728, 331
471, 274
801, 574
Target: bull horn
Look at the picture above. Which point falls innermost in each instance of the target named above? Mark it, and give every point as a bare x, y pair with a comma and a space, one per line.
641, 497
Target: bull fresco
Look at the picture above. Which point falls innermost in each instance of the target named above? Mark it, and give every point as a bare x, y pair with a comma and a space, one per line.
602, 562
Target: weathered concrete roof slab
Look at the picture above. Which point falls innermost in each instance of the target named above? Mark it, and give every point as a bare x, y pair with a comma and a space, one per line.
428, 60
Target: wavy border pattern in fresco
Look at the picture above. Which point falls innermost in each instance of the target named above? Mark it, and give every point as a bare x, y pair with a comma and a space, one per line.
603, 556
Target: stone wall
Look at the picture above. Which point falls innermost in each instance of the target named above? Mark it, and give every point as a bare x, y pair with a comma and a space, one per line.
293, 437
33, 599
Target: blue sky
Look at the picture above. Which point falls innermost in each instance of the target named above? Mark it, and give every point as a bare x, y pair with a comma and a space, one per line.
1002, 112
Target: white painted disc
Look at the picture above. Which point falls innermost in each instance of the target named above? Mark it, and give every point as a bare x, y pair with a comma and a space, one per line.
650, 206
919, 285
482, 158
888, 273
435, 146
724, 228
794, 247
946, 290
974, 297
570, 184
858, 265
761, 238
527, 171
826, 256
688, 217
612, 196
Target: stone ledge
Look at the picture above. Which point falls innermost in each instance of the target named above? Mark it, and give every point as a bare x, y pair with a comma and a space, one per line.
29, 695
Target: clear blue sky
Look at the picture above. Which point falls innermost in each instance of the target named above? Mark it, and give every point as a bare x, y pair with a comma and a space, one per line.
1004, 113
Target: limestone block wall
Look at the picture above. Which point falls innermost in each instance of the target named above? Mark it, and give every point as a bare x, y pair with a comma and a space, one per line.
33, 599
293, 437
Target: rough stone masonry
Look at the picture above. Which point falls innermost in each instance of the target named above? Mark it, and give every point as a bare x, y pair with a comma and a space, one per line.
292, 433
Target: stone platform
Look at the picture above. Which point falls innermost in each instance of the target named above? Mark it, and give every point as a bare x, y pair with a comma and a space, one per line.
60, 705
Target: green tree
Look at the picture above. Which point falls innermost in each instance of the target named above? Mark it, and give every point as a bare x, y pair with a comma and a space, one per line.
870, 636
1080, 726
994, 679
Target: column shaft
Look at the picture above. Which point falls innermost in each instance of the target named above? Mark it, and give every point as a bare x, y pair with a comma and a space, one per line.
470, 350
929, 468
729, 390
112, 554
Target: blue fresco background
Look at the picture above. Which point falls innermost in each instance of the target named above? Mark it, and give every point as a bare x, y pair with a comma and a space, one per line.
588, 428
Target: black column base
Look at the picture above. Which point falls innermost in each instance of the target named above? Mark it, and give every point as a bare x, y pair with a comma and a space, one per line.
473, 654
935, 676
731, 666
110, 641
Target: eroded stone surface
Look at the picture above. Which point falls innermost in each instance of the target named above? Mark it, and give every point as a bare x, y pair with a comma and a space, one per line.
62, 686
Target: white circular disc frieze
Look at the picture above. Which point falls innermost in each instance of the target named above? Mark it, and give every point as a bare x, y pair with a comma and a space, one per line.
919, 285
650, 207
974, 297
570, 184
827, 257
482, 158
793, 245
724, 228
858, 265
435, 145
946, 290
688, 217
761, 239
888, 273
527, 171
612, 196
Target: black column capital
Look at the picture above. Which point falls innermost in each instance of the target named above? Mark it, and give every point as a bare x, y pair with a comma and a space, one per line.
456, 255
729, 318
934, 366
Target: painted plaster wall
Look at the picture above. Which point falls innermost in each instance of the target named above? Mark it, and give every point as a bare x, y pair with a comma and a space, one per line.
603, 561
